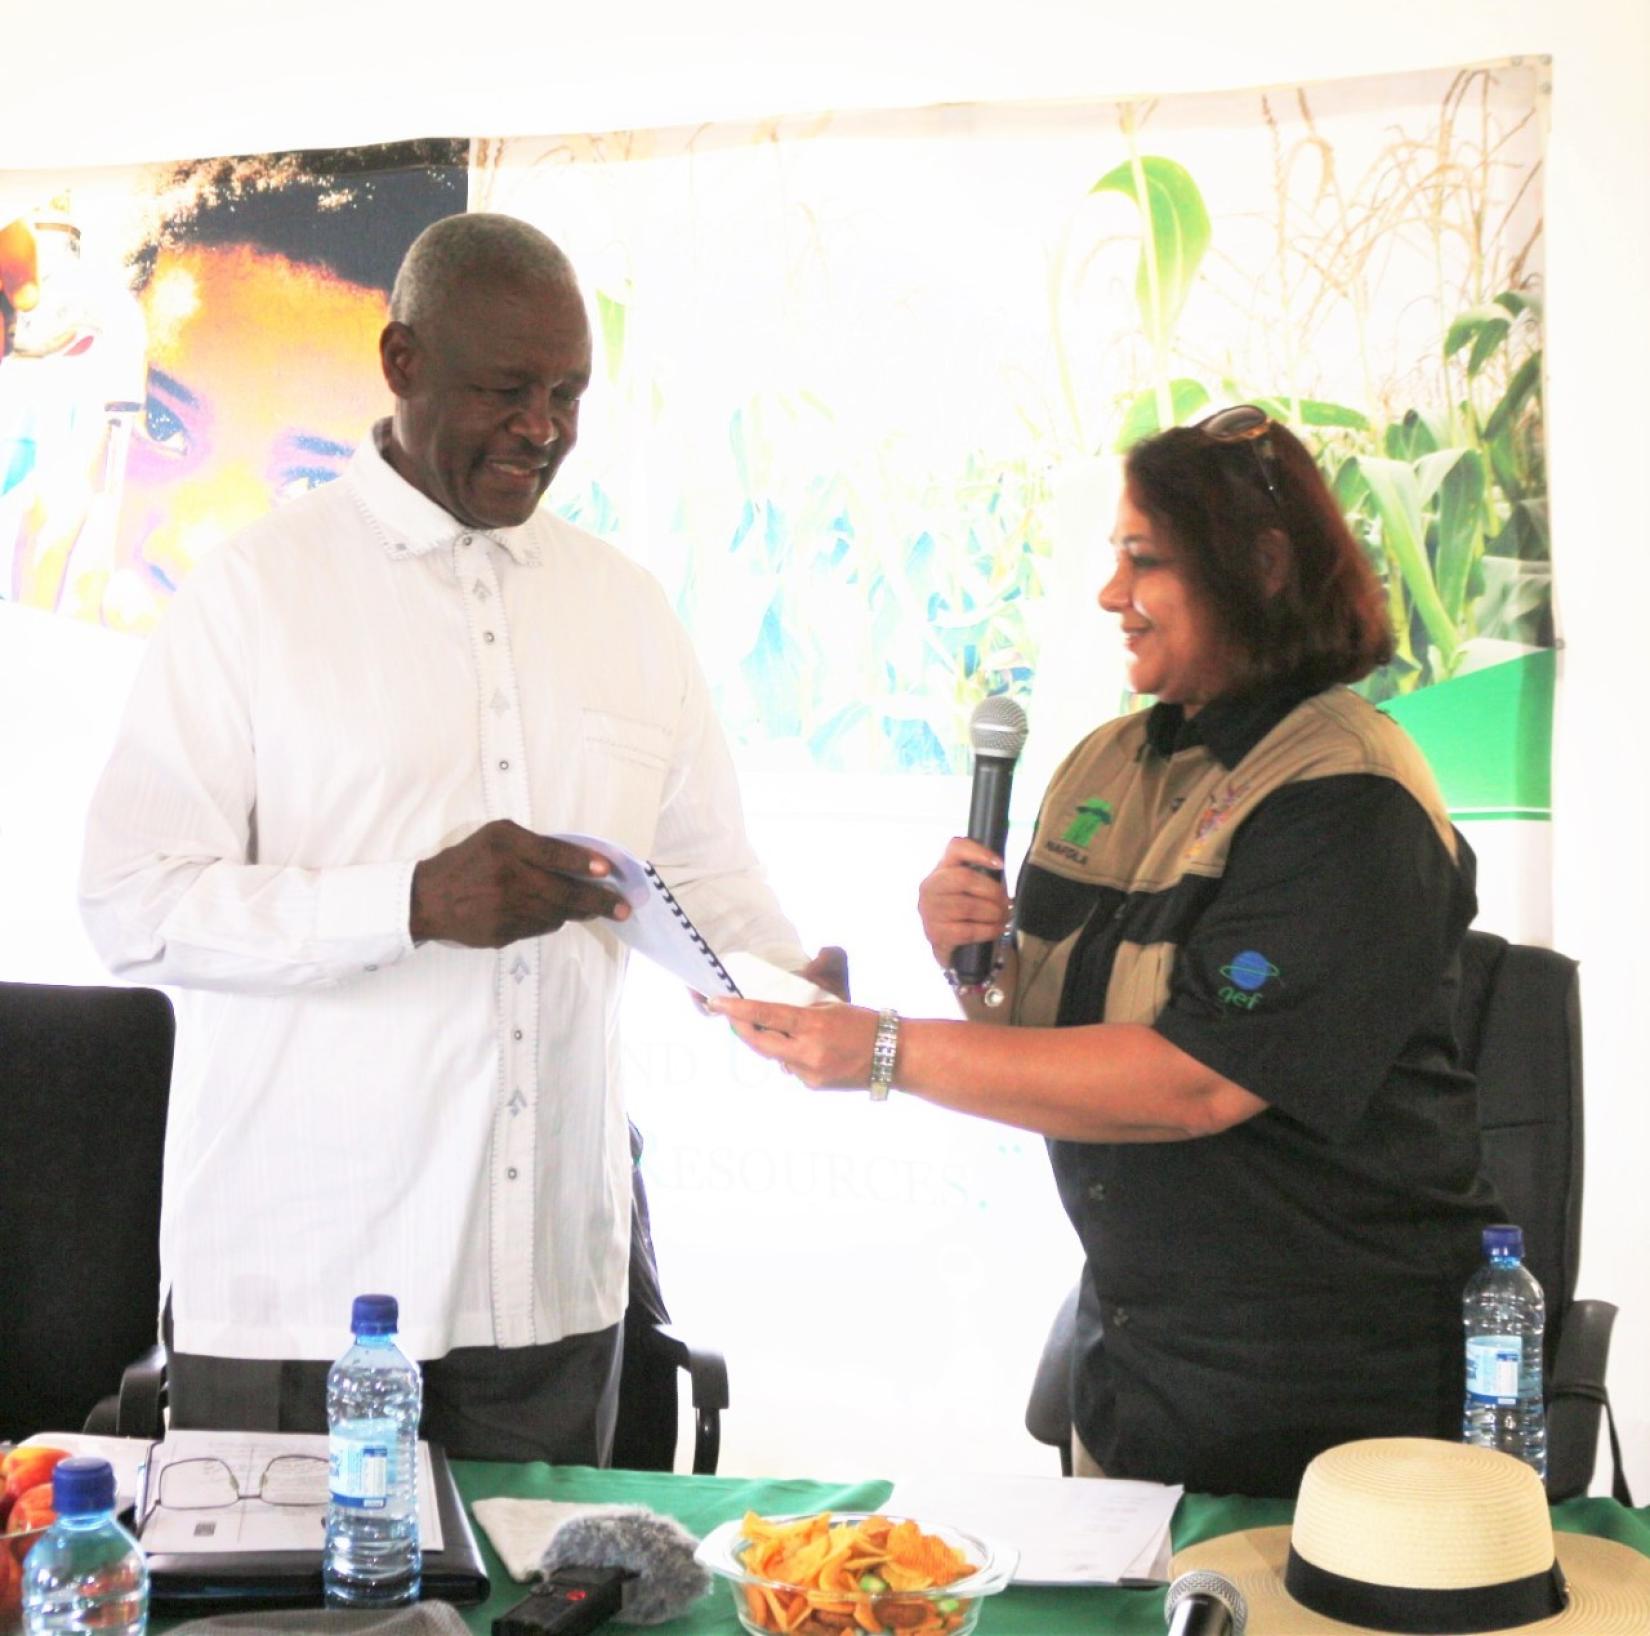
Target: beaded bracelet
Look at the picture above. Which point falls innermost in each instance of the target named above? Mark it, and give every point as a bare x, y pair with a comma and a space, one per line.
987, 986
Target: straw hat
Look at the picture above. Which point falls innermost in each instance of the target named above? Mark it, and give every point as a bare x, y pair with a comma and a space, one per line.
1421, 1536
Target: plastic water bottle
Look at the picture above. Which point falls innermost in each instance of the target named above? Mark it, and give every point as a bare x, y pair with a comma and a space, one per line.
374, 1393
86, 1573
1505, 1316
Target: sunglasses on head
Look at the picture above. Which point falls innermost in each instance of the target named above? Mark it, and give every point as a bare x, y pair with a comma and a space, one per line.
1247, 424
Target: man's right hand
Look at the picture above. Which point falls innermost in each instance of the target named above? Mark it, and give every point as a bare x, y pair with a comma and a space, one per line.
958, 903
504, 883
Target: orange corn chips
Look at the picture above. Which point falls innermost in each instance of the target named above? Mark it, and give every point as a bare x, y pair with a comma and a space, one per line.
821, 1569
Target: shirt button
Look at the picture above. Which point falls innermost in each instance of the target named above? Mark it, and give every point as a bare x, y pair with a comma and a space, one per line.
487, 636
511, 1172
515, 1033
1097, 1191
504, 766
1120, 1317
369, 968
464, 539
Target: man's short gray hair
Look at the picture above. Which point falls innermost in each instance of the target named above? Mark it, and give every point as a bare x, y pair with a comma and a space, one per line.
455, 251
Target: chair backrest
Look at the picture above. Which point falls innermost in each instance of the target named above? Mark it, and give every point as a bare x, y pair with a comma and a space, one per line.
655, 1357
1518, 1019
645, 1436
84, 1077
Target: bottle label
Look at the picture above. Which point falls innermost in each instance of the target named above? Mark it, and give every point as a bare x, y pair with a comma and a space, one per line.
1493, 1365
359, 1456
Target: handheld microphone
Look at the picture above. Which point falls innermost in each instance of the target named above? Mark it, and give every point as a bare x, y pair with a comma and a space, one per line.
1205, 1604
624, 1563
997, 731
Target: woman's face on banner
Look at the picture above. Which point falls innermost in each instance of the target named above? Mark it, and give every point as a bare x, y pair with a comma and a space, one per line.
263, 376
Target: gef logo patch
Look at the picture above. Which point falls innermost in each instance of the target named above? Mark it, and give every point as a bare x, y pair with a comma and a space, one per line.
1246, 975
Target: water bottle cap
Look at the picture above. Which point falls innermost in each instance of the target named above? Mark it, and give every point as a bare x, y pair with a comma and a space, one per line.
83, 1486
1504, 1240
374, 1315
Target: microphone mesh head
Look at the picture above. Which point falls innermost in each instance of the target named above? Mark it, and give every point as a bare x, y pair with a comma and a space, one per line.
998, 728
1203, 1582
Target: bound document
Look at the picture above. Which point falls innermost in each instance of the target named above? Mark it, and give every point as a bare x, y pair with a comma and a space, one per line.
658, 926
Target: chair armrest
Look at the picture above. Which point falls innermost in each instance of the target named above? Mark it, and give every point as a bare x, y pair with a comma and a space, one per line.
707, 1373
1575, 1396
136, 1410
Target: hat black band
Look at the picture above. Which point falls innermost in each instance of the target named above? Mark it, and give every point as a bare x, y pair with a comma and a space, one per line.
1408, 1612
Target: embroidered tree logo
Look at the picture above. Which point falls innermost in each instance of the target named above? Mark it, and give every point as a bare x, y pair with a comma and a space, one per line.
1091, 814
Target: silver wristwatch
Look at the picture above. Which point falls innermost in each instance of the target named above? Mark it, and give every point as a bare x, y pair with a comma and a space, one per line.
883, 1051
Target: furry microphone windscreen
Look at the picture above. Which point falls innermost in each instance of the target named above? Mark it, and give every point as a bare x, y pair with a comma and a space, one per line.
658, 1550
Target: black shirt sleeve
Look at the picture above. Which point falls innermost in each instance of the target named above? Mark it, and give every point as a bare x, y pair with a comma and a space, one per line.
1321, 953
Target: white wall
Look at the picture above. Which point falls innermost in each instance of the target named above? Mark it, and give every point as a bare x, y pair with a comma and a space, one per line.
101, 82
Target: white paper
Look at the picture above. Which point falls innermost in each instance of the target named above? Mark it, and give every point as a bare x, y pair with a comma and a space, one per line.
1069, 1530
520, 1529
248, 1524
760, 979
657, 925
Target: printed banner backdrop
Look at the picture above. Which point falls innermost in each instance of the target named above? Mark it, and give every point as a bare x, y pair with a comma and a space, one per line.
861, 383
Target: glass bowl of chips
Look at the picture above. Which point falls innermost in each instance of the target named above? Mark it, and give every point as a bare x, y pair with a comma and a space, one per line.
831, 1573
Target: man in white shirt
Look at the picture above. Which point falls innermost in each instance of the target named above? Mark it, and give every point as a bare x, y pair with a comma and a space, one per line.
326, 822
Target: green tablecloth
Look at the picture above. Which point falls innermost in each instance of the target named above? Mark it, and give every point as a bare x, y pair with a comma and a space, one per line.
699, 1503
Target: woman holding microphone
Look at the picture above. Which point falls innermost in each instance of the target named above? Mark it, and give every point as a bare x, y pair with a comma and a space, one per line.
1224, 995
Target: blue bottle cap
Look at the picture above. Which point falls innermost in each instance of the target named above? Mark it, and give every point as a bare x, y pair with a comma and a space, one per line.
83, 1486
1504, 1240
374, 1315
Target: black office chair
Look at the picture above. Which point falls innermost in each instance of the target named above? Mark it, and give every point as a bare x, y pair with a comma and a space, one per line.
1518, 1018
84, 1076
655, 1356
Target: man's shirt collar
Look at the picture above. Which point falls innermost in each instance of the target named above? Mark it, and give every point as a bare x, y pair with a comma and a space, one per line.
1230, 728
408, 521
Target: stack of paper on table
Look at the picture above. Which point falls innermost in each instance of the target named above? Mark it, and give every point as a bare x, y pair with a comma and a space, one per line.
1068, 1530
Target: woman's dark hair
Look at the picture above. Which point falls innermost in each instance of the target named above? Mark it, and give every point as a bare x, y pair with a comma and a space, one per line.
1326, 619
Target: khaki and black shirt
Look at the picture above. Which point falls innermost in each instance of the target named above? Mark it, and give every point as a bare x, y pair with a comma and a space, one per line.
1275, 887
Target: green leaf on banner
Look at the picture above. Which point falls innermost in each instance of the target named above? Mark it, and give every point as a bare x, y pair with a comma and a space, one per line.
1516, 604
612, 314
1141, 419
1413, 436
1173, 245
1313, 412
1486, 328
1525, 382
1456, 477
1396, 493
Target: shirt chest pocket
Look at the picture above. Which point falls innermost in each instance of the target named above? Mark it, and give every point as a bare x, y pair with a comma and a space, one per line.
625, 763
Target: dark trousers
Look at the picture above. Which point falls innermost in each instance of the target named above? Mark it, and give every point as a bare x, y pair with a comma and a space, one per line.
556, 1403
